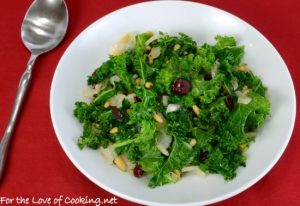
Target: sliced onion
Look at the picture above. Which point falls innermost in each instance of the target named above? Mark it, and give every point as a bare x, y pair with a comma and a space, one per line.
215, 68
245, 90
151, 39
125, 43
188, 145
195, 170
242, 98
87, 93
250, 134
134, 77
173, 108
119, 49
234, 84
108, 154
154, 53
163, 142
130, 97
165, 100
163, 150
130, 165
116, 101
114, 79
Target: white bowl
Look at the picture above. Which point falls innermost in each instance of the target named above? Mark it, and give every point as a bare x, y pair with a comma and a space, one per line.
201, 22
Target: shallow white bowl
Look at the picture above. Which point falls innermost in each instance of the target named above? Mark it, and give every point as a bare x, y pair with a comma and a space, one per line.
201, 22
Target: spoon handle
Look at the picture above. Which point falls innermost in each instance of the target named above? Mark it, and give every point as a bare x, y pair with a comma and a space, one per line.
21, 92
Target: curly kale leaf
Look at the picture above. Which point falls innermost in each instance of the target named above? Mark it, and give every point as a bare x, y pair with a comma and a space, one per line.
100, 73
92, 137
219, 160
166, 76
224, 42
143, 110
119, 68
150, 157
207, 91
233, 130
147, 132
139, 57
251, 80
205, 58
141, 147
180, 156
213, 114
167, 45
228, 53
82, 111
179, 123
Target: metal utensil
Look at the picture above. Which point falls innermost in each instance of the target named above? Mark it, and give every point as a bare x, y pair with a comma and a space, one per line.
43, 28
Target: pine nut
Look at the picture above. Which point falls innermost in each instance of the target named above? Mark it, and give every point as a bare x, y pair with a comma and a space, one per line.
113, 130
120, 163
176, 175
138, 81
193, 142
149, 85
158, 118
176, 47
196, 110
106, 104
129, 111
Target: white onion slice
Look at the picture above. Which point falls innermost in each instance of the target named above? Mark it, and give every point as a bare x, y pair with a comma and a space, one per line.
173, 108
108, 154
114, 79
125, 43
250, 134
195, 170
116, 101
154, 53
165, 100
130, 97
151, 39
163, 142
242, 98
130, 165
163, 150
234, 84
215, 68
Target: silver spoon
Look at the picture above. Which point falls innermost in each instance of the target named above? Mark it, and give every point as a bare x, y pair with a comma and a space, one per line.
43, 28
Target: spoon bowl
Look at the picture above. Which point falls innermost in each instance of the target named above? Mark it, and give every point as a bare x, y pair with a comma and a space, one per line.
44, 25
43, 28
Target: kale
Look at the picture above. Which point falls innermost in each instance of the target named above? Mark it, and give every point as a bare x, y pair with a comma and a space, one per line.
100, 73
207, 91
209, 113
119, 68
205, 58
180, 155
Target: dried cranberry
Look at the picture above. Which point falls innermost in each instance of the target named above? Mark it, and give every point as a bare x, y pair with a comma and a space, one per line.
207, 77
181, 86
137, 99
116, 113
229, 101
138, 171
203, 156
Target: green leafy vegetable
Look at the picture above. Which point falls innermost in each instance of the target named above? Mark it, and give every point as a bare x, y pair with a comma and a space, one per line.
188, 105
